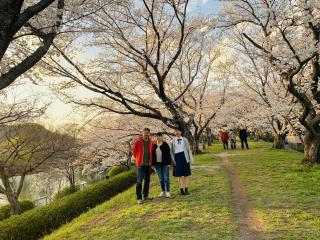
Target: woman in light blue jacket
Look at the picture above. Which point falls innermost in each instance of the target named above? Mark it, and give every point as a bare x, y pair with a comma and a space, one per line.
182, 155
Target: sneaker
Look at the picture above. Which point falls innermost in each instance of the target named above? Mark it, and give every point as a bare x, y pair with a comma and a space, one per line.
140, 202
162, 194
186, 193
168, 195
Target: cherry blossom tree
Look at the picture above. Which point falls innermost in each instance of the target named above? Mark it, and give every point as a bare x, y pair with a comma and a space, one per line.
286, 33
72, 158
205, 100
139, 69
23, 150
262, 85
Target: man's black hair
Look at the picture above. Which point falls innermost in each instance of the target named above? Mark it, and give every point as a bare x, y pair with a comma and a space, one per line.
147, 129
159, 134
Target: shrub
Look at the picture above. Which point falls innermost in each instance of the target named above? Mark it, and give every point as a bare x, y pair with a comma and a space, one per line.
39, 221
66, 191
5, 210
115, 170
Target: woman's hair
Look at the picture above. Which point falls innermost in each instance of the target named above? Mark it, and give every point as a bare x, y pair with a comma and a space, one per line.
179, 128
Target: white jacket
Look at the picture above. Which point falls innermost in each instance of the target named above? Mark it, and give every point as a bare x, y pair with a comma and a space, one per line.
186, 149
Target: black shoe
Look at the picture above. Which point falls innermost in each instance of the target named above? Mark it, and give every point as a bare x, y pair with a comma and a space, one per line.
186, 193
182, 191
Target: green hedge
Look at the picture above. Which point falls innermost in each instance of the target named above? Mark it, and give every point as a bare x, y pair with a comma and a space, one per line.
5, 210
39, 221
115, 170
66, 191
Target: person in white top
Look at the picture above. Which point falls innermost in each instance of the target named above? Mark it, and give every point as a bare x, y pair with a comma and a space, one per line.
233, 139
182, 155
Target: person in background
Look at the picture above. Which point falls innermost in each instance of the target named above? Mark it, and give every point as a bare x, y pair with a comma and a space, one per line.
224, 136
233, 139
142, 153
182, 156
162, 161
243, 134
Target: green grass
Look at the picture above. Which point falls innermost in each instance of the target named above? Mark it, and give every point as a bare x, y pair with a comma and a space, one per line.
284, 192
205, 214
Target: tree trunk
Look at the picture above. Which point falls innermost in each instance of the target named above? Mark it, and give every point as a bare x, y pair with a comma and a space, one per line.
129, 155
188, 135
186, 131
69, 179
11, 195
71, 176
311, 148
209, 137
14, 203
197, 146
8, 16
279, 140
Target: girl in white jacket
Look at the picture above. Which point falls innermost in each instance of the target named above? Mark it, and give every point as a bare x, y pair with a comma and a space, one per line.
182, 155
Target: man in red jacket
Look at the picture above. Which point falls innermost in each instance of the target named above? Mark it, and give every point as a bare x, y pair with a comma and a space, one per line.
142, 153
224, 136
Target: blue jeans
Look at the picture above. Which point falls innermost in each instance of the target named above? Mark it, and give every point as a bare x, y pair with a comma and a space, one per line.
164, 179
143, 173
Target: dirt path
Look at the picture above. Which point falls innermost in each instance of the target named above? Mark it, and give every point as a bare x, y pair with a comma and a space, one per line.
251, 224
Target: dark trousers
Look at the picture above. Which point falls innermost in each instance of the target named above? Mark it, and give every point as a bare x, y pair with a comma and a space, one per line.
143, 173
226, 145
233, 144
244, 141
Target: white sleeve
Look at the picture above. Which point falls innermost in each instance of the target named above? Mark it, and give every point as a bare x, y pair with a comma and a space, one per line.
190, 152
172, 150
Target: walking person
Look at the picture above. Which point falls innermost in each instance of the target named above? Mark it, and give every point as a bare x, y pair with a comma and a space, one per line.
162, 161
233, 139
142, 152
224, 136
182, 155
243, 134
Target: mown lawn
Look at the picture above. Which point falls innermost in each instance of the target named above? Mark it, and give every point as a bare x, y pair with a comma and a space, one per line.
205, 214
285, 193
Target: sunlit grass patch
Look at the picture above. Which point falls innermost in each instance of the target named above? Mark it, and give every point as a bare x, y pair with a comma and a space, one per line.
286, 192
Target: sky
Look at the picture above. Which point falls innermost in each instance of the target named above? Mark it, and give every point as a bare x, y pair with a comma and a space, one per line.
204, 6
59, 112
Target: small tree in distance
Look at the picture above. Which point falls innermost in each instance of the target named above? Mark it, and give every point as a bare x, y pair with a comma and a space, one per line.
24, 150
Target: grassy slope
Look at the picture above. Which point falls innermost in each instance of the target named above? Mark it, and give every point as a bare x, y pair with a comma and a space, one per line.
205, 214
286, 194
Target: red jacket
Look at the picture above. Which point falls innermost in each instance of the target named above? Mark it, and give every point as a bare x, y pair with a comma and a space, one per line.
224, 136
137, 151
